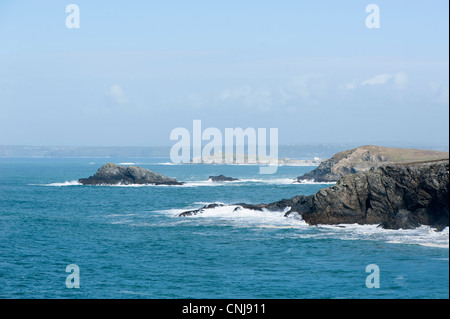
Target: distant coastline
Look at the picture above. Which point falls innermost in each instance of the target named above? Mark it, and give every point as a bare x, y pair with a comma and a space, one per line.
288, 154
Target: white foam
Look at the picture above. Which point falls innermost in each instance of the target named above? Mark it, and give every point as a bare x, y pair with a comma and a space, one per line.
66, 183
134, 185
127, 164
202, 183
201, 203
274, 181
128, 185
186, 184
238, 216
236, 181
423, 235
209, 183
311, 181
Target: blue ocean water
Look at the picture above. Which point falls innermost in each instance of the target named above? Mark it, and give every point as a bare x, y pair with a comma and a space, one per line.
129, 243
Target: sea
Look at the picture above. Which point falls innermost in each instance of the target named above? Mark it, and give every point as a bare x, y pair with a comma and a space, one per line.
60, 239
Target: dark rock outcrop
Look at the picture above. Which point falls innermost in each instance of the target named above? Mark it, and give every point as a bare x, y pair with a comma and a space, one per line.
362, 159
111, 174
200, 210
222, 178
394, 196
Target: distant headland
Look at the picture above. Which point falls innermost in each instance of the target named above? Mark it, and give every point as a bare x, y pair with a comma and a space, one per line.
363, 158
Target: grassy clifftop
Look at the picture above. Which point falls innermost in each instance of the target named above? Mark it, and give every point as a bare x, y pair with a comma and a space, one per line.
363, 158
395, 155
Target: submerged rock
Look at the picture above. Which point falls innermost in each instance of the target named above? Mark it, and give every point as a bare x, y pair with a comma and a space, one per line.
394, 196
111, 174
222, 178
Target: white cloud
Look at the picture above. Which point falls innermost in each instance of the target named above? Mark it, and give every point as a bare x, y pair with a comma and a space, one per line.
351, 85
304, 90
401, 80
378, 79
116, 96
306, 85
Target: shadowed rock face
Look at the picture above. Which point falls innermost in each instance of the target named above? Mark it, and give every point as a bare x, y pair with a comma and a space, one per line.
393, 196
222, 178
111, 174
364, 158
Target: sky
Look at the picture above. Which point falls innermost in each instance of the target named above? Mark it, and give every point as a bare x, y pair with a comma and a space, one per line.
135, 70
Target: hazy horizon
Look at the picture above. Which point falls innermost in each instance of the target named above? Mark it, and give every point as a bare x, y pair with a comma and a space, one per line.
168, 145
300, 151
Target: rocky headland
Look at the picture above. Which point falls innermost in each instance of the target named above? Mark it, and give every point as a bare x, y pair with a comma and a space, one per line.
394, 196
362, 159
111, 174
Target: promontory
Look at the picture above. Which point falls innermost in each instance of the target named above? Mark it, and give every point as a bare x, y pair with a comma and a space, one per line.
363, 158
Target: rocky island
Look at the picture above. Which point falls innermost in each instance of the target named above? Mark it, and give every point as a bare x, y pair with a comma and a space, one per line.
111, 174
363, 158
222, 178
393, 195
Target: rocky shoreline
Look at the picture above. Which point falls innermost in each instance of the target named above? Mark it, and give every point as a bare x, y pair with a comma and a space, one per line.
394, 196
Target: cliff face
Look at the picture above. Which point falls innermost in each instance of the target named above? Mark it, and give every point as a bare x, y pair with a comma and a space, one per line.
363, 158
394, 196
110, 174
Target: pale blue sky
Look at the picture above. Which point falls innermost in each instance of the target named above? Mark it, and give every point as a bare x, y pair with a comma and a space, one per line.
137, 69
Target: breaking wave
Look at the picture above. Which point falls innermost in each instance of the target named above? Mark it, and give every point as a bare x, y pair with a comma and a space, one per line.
66, 183
233, 215
201, 183
311, 181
